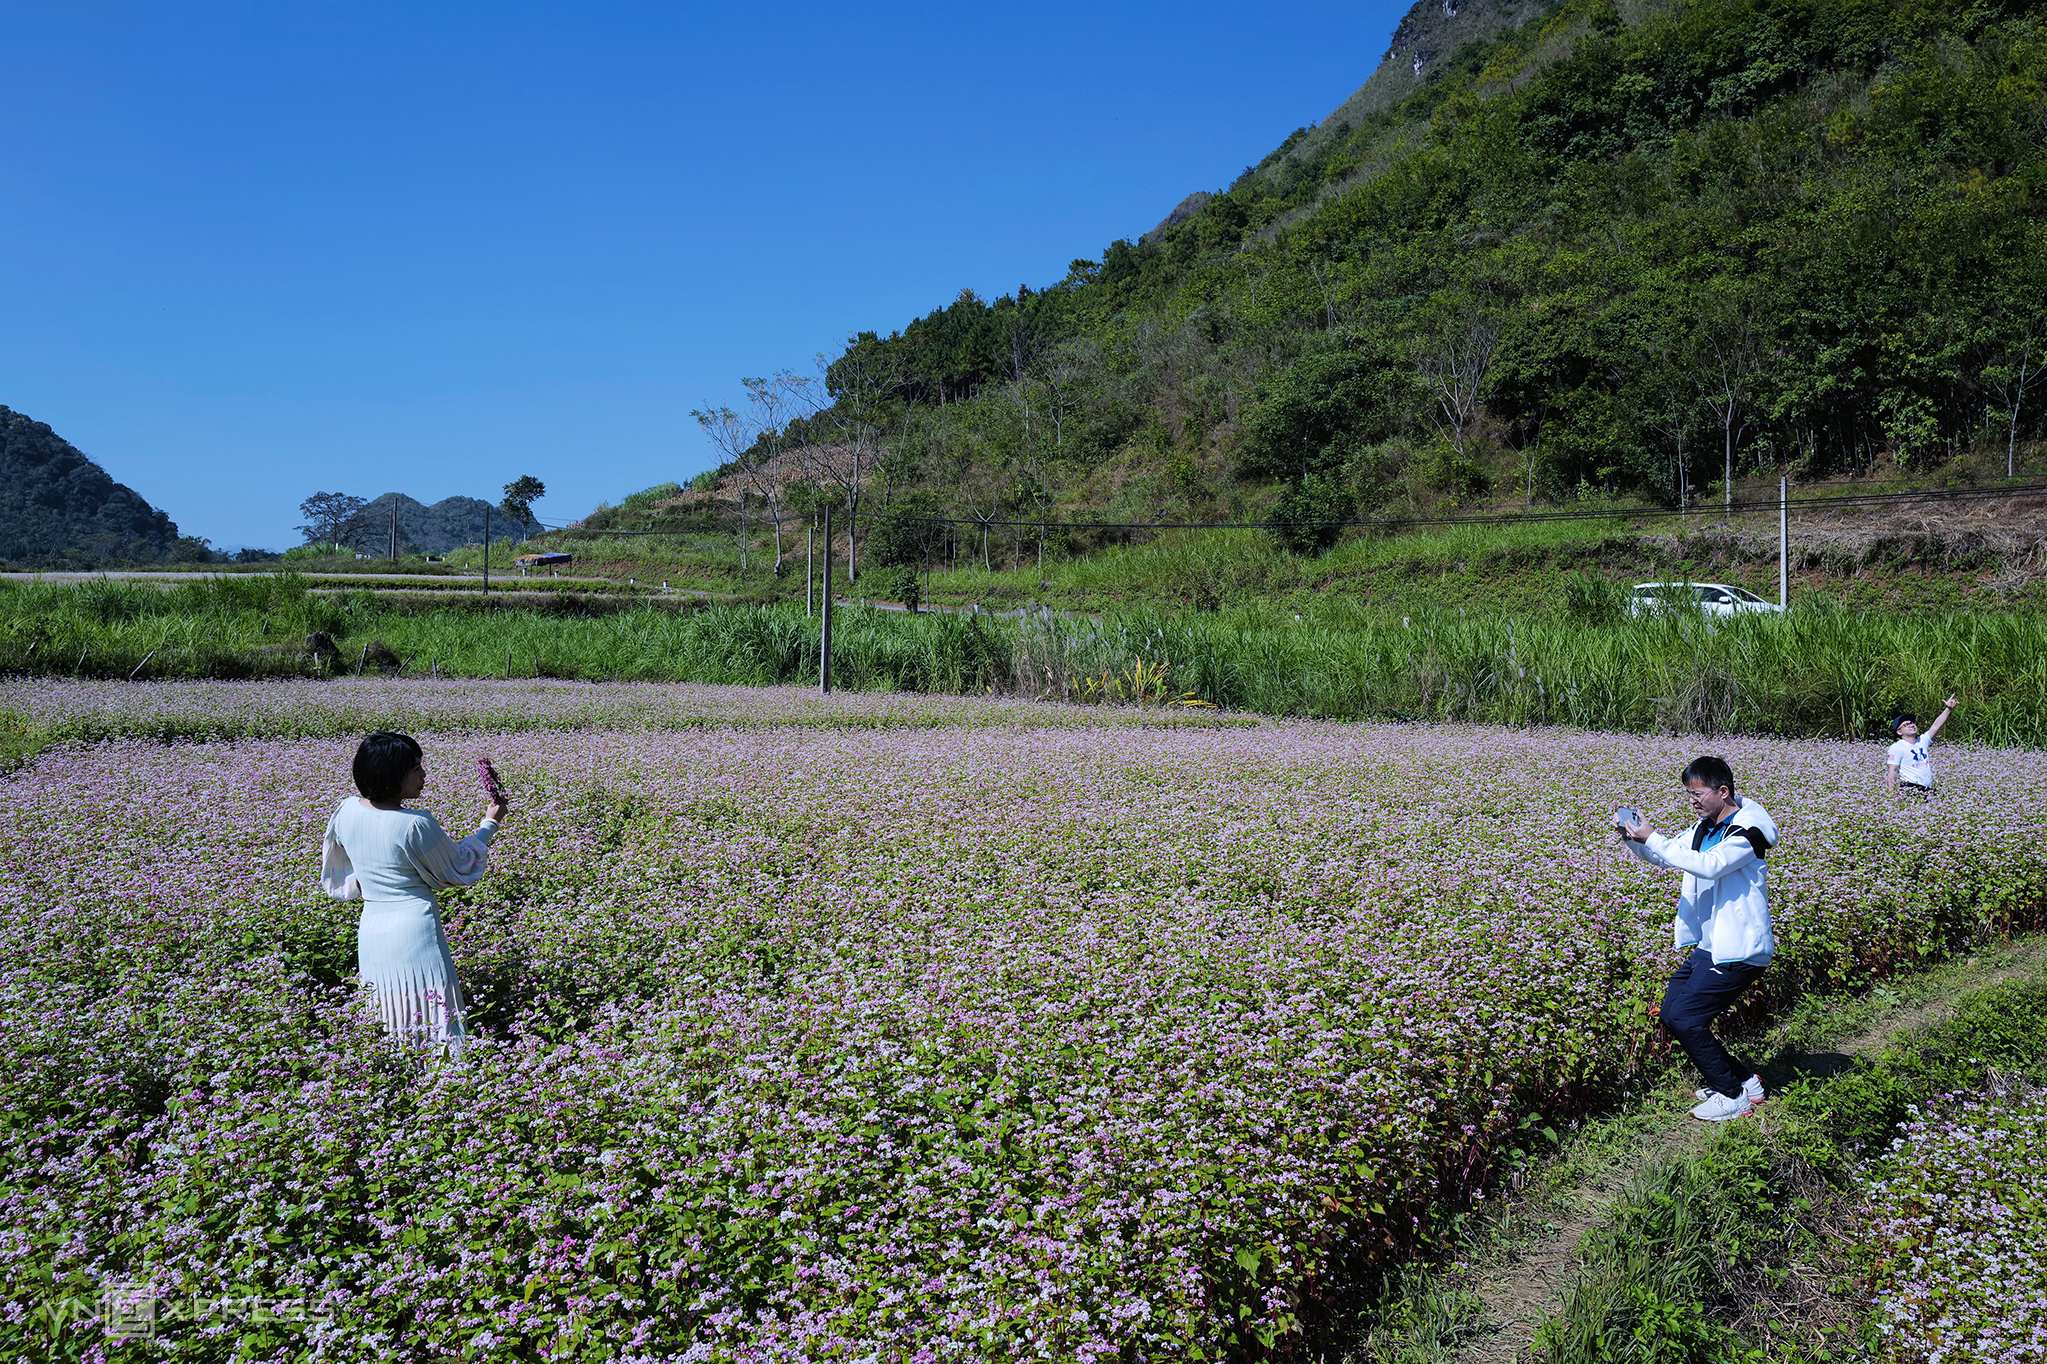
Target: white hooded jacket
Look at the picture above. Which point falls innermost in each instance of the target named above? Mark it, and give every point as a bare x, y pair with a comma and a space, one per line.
1725, 904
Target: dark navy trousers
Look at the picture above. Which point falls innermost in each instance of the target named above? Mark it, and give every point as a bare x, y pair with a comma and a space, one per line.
1697, 994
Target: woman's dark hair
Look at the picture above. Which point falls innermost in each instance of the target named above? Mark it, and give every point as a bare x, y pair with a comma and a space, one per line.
381, 764
1713, 771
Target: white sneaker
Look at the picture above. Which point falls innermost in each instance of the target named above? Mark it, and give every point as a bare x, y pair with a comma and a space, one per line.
1720, 1108
1751, 1089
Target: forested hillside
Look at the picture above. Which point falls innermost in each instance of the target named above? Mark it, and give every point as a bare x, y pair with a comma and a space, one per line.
1605, 247
58, 508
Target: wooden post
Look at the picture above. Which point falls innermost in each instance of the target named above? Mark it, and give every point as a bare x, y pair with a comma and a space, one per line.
824, 652
486, 549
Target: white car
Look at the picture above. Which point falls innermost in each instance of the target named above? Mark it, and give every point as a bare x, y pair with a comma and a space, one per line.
1714, 599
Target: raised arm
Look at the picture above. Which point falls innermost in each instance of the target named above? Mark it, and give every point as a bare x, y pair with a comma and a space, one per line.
442, 861
1940, 719
1734, 851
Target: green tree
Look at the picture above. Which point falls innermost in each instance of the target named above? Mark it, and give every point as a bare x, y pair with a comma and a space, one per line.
520, 495
328, 517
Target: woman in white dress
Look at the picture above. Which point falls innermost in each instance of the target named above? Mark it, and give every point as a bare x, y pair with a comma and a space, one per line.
393, 859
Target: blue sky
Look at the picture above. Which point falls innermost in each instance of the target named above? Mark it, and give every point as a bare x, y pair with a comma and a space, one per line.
263, 250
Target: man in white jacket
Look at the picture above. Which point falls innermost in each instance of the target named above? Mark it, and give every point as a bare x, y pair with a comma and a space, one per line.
1723, 923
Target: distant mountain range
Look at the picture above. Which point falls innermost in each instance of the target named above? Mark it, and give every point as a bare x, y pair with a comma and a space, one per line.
448, 524
58, 507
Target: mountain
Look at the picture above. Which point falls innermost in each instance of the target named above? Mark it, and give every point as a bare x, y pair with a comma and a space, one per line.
1544, 251
448, 524
1430, 32
59, 508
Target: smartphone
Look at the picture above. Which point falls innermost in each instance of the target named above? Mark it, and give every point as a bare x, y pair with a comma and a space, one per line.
1624, 817
491, 786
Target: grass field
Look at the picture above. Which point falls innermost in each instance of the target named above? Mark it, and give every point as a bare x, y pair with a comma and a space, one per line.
1821, 670
898, 1026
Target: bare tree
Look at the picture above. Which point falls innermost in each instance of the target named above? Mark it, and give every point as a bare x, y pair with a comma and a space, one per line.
855, 407
773, 402
1325, 281
1067, 379
2019, 367
733, 435
1526, 438
1723, 354
1455, 365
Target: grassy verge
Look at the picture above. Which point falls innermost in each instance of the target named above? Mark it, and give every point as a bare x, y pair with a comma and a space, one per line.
1685, 1244
1816, 671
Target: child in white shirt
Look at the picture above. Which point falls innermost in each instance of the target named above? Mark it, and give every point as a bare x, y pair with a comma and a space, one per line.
1908, 763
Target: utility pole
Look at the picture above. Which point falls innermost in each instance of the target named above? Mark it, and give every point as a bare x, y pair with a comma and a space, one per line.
1783, 543
486, 549
809, 594
824, 652
394, 530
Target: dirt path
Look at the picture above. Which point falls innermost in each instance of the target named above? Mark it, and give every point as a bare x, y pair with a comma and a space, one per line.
2025, 960
1523, 1284
1523, 1281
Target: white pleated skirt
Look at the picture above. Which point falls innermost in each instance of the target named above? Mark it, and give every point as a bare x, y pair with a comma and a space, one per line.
404, 957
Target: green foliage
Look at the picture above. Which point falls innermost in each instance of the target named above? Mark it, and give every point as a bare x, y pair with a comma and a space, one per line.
1591, 599
520, 495
1311, 513
1715, 239
902, 584
647, 497
58, 509
2004, 1026
905, 534
1311, 417
1653, 1271
1666, 1275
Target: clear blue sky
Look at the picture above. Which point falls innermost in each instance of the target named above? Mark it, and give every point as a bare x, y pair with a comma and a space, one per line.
260, 250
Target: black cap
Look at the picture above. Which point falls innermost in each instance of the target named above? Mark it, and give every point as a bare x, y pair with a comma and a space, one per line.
1898, 720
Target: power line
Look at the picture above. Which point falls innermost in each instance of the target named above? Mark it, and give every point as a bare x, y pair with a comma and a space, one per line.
1400, 522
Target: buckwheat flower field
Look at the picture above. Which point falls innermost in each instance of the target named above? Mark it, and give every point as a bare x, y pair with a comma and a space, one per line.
1958, 1233
1018, 1033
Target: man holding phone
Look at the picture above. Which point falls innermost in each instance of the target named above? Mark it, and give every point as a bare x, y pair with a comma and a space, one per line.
1722, 923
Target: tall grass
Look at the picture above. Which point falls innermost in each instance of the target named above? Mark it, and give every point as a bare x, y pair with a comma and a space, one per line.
226, 626
1818, 670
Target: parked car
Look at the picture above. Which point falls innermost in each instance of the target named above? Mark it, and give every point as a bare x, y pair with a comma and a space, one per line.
1714, 599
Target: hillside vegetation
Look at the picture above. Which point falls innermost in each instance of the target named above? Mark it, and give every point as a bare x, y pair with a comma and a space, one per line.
59, 508
1637, 250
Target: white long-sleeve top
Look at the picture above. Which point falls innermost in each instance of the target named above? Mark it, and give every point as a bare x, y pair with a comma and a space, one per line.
396, 856
1724, 905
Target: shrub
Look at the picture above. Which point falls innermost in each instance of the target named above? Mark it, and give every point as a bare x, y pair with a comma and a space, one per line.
1311, 514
